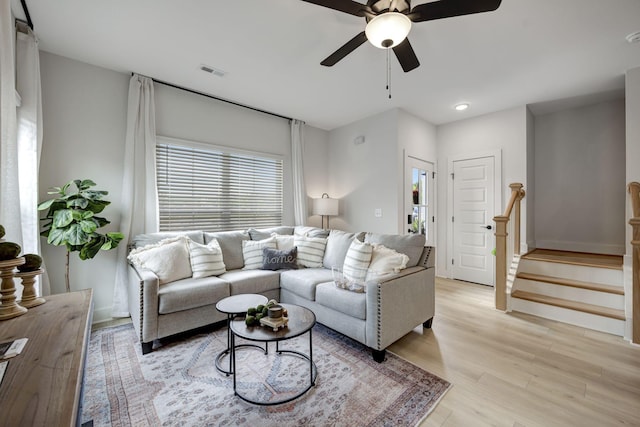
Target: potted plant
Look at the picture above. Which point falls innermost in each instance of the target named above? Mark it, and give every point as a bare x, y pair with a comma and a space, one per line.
71, 221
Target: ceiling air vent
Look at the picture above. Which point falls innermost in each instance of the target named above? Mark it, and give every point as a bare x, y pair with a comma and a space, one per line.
212, 70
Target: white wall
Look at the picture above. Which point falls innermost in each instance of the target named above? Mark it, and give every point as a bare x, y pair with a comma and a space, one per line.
632, 100
316, 161
369, 176
84, 120
84, 109
580, 179
505, 131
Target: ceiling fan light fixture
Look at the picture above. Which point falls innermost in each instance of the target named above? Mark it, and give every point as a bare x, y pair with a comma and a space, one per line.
388, 30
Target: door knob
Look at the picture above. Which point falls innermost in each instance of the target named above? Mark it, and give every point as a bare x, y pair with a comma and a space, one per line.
488, 227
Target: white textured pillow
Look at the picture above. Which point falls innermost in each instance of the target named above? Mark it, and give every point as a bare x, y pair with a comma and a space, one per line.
310, 250
252, 252
357, 261
206, 260
168, 259
385, 261
283, 242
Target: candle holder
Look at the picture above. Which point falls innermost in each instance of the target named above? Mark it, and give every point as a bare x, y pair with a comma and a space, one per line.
29, 296
9, 308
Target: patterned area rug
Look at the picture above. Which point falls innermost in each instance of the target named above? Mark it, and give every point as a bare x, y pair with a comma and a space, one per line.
178, 384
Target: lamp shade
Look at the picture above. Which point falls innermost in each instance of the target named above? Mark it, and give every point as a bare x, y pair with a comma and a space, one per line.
325, 206
388, 30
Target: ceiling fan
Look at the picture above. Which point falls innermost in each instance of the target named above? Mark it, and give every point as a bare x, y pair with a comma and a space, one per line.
389, 23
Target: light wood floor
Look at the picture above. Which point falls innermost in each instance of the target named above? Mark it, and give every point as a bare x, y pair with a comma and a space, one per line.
521, 370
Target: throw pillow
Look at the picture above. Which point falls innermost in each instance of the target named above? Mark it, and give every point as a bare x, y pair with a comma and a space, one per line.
338, 244
385, 261
273, 259
168, 259
283, 242
252, 252
206, 260
411, 245
310, 250
357, 261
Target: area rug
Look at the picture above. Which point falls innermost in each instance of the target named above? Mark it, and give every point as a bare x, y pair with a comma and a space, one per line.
178, 385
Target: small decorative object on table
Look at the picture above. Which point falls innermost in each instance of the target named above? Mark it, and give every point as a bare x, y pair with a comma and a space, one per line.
270, 314
28, 272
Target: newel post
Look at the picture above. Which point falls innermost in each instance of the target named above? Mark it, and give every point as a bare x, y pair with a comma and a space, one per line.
501, 262
635, 244
517, 189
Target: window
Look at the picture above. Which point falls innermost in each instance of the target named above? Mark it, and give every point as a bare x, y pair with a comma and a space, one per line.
211, 189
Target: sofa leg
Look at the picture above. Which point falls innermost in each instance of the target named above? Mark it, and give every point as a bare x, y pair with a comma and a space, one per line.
378, 355
147, 347
428, 323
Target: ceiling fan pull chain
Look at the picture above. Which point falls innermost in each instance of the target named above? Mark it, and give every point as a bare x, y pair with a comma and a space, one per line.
388, 74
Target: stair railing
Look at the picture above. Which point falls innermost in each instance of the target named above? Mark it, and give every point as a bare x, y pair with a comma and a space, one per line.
634, 190
507, 248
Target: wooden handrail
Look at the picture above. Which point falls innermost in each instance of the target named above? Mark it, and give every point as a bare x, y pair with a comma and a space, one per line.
517, 194
634, 189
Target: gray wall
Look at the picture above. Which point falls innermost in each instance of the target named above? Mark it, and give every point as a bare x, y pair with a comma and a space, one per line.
84, 109
580, 179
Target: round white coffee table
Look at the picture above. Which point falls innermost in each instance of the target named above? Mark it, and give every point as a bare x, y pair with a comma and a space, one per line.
233, 306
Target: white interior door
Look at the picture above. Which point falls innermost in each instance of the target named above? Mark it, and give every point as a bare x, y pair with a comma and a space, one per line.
419, 198
473, 212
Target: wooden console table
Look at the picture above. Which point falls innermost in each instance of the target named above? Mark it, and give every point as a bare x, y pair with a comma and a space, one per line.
43, 385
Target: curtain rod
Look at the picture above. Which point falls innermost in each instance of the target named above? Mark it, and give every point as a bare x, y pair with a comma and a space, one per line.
26, 13
220, 99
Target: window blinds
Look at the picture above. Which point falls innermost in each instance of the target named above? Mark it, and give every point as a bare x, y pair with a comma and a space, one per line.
212, 190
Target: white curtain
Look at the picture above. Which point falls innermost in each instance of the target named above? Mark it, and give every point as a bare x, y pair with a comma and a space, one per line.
139, 193
299, 189
29, 139
21, 137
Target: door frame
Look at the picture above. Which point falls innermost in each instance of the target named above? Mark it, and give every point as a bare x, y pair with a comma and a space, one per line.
497, 189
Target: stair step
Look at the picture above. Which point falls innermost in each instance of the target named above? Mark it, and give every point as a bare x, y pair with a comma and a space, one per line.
617, 290
572, 305
613, 262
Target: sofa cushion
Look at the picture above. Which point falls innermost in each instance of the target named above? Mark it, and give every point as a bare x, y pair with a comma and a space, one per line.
142, 240
410, 244
284, 242
251, 281
273, 259
206, 260
310, 250
252, 252
168, 259
338, 244
231, 244
350, 303
303, 230
190, 293
385, 261
265, 233
303, 282
357, 261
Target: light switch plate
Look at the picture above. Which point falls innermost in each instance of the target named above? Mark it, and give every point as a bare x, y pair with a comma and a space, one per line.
378, 213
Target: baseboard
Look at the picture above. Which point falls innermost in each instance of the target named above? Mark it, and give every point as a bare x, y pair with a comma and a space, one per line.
595, 248
102, 315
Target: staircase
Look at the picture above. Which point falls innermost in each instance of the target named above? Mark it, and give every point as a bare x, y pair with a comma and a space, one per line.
576, 288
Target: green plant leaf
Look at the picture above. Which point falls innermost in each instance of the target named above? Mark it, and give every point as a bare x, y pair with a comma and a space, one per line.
87, 214
92, 248
88, 226
56, 237
97, 206
93, 195
101, 221
74, 235
45, 205
78, 203
86, 183
62, 218
113, 239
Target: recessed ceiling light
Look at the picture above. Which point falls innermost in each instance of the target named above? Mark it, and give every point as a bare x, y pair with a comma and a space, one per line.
461, 107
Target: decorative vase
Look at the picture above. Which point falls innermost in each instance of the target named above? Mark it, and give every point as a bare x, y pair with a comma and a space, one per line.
9, 308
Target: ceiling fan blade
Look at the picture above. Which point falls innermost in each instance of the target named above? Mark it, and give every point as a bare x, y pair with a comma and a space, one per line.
346, 49
347, 6
406, 56
393, 6
449, 8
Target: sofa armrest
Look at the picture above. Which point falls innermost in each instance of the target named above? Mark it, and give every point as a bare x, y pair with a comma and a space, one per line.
143, 302
397, 304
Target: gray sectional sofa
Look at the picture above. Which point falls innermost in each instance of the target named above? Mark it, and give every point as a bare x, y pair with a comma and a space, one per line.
389, 307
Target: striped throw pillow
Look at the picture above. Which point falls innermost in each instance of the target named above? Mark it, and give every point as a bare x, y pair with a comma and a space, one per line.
206, 260
310, 250
252, 252
357, 261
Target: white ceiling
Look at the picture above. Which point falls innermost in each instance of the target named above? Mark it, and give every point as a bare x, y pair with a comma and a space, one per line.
528, 51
